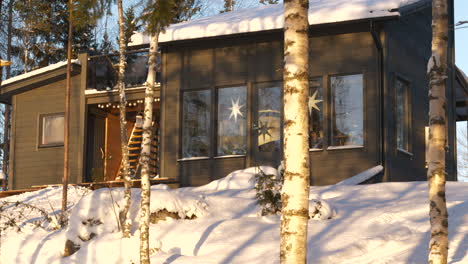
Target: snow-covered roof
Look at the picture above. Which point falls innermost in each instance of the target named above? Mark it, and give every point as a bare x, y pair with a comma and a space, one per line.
270, 17
37, 72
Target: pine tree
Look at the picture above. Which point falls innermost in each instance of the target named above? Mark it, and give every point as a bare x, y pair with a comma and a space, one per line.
266, 2
294, 212
437, 70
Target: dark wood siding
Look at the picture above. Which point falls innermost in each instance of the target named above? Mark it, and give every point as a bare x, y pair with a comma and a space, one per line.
241, 61
407, 51
37, 166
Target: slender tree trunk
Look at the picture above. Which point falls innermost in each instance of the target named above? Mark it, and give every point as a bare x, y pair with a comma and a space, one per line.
67, 117
10, 35
437, 70
125, 213
295, 194
6, 142
146, 152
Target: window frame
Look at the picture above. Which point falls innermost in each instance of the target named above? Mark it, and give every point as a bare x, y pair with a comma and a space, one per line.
329, 116
408, 122
41, 131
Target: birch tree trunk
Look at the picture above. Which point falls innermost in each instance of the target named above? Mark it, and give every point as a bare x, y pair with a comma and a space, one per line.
124, 215
146, 152
437, 70
295, 193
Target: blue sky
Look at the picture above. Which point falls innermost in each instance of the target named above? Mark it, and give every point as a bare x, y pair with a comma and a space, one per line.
461, 35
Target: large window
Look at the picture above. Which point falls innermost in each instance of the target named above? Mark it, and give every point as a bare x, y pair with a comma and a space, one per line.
402, 106
196, 124
51, 130
315, 114
347, 111
232, 121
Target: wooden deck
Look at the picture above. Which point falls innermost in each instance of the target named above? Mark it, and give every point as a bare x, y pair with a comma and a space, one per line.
173, 183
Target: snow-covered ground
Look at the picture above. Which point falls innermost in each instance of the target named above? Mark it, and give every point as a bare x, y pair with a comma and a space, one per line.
220, 223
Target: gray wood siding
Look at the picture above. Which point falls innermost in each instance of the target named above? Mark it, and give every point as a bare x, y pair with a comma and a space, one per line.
407, 51
240, 61
37, 166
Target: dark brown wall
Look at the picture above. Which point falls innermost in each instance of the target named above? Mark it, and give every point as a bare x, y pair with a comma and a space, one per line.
408, 43
258, 58
31, 165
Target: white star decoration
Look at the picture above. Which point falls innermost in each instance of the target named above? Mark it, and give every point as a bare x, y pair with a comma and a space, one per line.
313, 102
235, 109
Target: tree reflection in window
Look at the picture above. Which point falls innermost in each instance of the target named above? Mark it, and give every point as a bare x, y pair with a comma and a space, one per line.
269, 119
347, 111
232, 121
402, 114
196, 124
316, 114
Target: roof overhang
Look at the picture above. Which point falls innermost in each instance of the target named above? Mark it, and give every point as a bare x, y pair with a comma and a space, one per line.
17, 85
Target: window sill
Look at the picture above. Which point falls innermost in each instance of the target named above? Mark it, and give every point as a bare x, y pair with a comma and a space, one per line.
315, 149
194, 158
50, 146
405, 152
229, 156
345, 147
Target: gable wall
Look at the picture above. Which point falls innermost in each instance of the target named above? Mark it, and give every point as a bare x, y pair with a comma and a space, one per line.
29, 164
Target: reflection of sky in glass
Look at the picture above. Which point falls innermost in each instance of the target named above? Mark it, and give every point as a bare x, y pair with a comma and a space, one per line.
269, 119
348, 110
232, 122
52, 129
196, 124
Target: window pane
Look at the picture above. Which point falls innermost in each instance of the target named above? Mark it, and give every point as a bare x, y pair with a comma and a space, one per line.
269, 119
196, 124
402, 114
52, 129
347, 123
232, 121
316, 114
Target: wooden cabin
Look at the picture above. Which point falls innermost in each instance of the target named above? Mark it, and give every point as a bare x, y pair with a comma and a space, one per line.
219, 106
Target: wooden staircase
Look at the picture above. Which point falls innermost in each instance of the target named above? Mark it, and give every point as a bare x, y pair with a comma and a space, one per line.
134, 152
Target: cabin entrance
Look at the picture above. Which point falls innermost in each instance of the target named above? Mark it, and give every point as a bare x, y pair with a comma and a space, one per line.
104, 159
267, 129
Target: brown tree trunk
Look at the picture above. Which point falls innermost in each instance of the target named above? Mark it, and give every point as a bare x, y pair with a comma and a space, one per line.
437, 70
125, 213
10, 35
295, 193
67, 118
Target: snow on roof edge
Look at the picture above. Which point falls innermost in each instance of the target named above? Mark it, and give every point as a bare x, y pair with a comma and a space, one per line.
37, 72
270, 17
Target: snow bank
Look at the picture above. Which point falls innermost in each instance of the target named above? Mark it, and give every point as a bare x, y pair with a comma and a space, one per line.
98, 212
361, 177
240, 179
271, 17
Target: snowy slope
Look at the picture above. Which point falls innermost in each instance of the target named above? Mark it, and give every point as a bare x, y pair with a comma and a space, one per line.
380, 223
271, 17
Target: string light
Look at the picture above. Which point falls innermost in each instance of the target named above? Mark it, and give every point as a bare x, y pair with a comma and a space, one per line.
129, 104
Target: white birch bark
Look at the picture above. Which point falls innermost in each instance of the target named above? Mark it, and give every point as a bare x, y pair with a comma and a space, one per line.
125, 213
295, 193
146, 152
437, 70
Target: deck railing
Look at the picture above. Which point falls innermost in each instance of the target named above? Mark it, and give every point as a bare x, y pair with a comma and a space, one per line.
103, 70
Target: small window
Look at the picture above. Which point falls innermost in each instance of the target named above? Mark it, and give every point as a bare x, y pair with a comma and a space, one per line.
348, 111
51, 130
402, 106
232, 121
315, 106
196, 124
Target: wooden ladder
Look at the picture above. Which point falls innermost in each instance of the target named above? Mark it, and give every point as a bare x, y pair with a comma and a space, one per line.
134, 151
